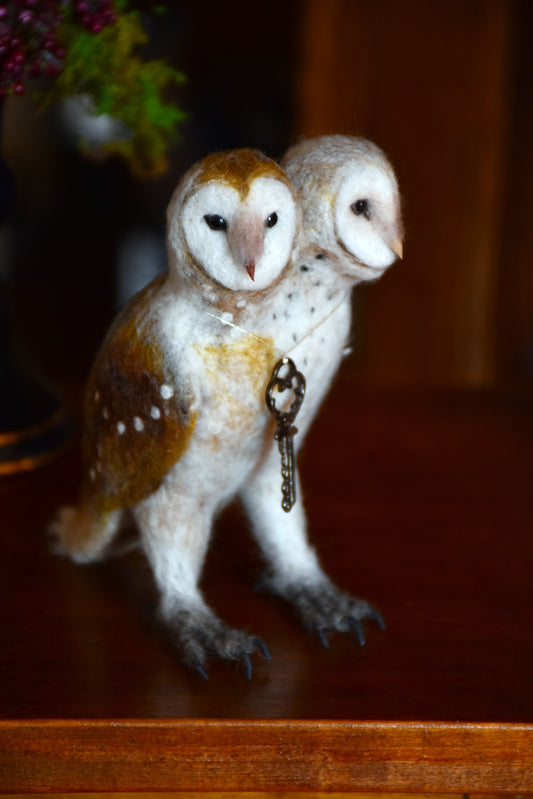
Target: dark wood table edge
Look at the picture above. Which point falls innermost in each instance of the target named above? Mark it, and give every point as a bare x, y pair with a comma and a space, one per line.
58, 756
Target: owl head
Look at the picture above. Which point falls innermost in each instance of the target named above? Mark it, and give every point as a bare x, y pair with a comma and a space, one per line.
232, 222
350, 202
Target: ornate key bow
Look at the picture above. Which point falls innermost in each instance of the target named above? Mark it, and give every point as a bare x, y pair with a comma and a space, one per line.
295, 381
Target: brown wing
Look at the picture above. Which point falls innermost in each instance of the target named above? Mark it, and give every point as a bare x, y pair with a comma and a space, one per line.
136, 421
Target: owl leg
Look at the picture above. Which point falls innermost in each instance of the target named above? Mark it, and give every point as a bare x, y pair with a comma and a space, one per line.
84, 533
175, 530
294, 572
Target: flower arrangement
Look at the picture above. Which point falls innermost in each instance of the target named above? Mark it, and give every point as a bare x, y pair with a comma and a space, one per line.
90, 48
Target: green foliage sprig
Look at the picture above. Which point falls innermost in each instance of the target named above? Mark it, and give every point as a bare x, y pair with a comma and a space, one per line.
107, 68
90, 48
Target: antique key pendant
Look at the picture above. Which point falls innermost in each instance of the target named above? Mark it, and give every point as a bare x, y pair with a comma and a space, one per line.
295, 381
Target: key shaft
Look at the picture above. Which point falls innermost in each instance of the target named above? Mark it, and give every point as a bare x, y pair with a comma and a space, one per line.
292, 380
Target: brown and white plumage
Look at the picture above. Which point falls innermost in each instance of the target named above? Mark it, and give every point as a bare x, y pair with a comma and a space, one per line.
352, 232
174, 409
176, 419
351, 204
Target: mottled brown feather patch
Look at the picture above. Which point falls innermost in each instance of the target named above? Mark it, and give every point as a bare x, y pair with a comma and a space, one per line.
135, 428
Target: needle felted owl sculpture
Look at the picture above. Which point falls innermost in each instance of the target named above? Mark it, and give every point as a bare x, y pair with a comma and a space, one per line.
177, 418
352, 232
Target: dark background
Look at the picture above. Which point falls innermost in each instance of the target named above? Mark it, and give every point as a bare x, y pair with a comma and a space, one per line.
444, 87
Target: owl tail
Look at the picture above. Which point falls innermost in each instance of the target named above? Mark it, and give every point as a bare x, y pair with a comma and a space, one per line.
83, 534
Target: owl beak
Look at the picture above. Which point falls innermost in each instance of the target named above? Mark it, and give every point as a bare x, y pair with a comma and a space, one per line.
397, 248
246, 238
250, 268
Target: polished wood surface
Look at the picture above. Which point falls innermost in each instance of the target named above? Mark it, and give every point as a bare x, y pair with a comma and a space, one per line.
420, 502
278, 755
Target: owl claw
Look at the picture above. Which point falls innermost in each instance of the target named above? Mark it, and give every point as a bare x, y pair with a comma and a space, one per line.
357, 628
323, 609
259, 645
263, 648
199, 668
378, 618
199, 634
247, 666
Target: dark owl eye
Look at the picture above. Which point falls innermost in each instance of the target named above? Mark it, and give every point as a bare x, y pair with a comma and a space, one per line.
361, 207
216, 222
271, 220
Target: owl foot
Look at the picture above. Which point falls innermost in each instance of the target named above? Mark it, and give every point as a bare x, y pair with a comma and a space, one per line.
200, 634
324, 609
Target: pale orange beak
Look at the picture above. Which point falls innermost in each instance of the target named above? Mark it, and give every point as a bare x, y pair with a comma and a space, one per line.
397, 248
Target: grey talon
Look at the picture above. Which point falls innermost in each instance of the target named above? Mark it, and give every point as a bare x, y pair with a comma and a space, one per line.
263, 648
200, 669
357, 629
378, 618
247, 666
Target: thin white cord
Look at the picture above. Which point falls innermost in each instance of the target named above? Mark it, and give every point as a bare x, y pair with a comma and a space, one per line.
284, 353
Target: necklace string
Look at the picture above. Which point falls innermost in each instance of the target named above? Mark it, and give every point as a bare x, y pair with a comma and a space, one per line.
284, 353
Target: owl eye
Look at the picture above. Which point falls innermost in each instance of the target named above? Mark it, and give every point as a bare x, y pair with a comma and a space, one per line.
361, 207
271, 220
216, 222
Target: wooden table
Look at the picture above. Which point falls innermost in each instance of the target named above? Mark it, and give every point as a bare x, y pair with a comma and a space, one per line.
420, 502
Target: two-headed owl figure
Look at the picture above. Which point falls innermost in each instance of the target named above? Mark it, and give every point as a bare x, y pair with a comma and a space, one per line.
176, 417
